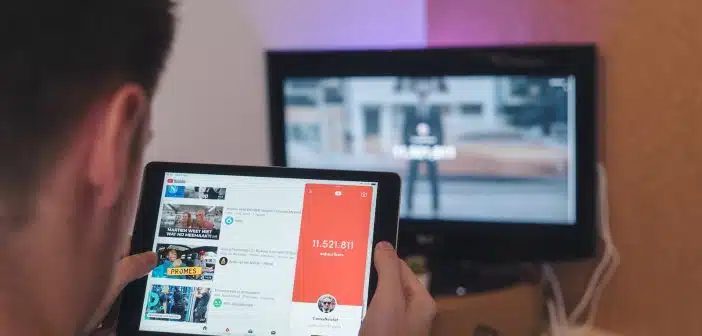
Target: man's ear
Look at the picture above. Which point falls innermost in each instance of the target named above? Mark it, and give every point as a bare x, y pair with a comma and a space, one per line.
111, 155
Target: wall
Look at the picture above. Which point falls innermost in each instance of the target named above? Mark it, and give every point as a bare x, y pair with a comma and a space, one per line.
325, 24
211, 106
211, 103
650, 139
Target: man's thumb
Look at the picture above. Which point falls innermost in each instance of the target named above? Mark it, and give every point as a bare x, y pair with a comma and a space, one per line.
134, 267
387, 308
386, 260
387, 264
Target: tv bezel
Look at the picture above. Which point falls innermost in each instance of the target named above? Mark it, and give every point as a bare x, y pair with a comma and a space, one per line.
472, 240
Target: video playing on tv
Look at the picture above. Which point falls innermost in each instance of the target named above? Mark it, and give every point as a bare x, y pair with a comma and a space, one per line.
177, 303
185, 262
475, 148
190, 221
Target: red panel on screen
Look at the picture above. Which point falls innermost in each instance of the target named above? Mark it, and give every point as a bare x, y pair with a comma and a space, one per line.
333, 247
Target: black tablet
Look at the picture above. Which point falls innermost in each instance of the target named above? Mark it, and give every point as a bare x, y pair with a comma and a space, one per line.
257, 250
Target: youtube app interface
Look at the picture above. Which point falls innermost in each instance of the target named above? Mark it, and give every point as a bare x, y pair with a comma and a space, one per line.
241, 255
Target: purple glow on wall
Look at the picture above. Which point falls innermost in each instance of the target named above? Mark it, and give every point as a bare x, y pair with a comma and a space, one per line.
492, 22
332, 24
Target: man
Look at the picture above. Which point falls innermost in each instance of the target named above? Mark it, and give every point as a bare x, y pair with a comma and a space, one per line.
202, 222
202, 299
164, 299
179, 304
76, 85
328, 304
423, 130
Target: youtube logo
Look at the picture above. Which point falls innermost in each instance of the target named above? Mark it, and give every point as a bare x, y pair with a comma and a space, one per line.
170, 180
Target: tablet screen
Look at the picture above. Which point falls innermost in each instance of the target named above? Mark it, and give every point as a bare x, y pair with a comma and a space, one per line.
242, 255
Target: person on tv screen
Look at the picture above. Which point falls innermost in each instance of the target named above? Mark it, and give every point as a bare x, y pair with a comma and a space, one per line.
76, 91
423, 130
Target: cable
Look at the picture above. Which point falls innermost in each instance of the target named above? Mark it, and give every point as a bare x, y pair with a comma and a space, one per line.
552, 316
606, 233
556, 293
611, 258
601, 276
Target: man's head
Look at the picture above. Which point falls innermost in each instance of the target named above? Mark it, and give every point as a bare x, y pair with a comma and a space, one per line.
328, 304
422, 87
77, 79
200, 215
172, 255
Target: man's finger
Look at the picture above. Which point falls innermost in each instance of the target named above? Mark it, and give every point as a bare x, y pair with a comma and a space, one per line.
134, 267
421, 307
387, 264
387, 306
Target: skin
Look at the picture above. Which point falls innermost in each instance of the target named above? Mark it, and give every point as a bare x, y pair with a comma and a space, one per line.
173, 257
187, 220
84, 211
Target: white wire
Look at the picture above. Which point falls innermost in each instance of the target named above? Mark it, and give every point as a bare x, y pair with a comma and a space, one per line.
552, 316
615, 258
610, 256
551, 278
601, 276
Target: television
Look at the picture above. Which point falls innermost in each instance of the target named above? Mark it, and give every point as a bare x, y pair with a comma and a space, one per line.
496, 146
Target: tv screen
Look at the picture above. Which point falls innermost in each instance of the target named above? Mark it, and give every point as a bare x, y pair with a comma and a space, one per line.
496, 146
469, 148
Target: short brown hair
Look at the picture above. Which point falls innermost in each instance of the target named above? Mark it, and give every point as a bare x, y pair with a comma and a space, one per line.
57, 58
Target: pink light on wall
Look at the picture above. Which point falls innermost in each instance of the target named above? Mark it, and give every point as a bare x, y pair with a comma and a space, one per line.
338, 24
491, 22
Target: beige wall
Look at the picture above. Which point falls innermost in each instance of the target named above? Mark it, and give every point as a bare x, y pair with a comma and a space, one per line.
211, 104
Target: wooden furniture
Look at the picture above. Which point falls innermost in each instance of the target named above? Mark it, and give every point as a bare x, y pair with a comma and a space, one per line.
514, 311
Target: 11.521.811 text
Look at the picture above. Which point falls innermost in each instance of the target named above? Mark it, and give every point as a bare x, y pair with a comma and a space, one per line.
333, 244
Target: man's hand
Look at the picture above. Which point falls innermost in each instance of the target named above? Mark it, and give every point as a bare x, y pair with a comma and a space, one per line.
401, 305
129, 269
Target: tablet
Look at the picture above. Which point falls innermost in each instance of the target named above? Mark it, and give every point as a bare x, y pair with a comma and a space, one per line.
257, 250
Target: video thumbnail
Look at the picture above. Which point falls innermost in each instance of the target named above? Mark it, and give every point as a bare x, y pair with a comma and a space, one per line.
177, 303
185, 262
191, 221
176, 191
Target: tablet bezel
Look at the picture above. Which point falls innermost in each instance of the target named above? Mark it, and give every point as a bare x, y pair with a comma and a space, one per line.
132, 301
